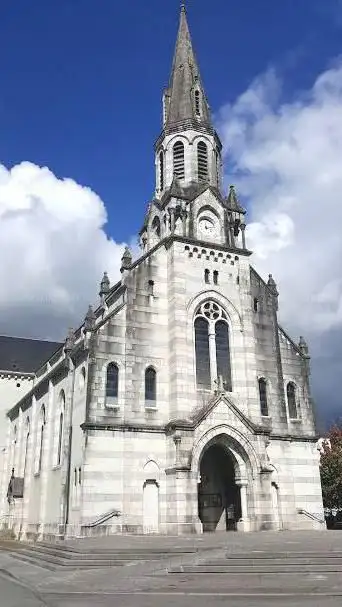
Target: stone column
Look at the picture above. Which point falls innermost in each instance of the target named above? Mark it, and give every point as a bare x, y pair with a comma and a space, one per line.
243, 523
243, 235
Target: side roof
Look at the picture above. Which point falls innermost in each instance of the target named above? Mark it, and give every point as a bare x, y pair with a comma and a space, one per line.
21, 355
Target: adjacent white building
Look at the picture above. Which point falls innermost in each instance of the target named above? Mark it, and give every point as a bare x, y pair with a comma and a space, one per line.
180, 405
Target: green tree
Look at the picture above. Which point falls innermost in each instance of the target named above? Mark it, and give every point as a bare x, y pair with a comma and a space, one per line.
331, 469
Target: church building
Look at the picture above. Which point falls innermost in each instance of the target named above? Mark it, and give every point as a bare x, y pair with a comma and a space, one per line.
179, 405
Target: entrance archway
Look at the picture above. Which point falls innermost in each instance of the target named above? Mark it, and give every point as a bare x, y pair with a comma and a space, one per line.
219, 504
276, 506
151, 507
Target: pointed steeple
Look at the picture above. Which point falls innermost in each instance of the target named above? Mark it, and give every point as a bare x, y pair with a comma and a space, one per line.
185, 98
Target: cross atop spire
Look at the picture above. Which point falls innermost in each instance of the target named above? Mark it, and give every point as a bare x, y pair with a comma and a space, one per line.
185, 98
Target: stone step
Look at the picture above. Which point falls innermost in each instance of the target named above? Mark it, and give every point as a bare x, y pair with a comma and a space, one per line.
32, 561
88, 549
107, 554
250, 562
284, 555
74, 562
253, 569
53, 563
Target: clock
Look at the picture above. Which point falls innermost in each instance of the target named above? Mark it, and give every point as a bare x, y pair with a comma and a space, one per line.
207, 227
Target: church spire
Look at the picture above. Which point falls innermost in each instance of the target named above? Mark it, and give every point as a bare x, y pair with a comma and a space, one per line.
185, 98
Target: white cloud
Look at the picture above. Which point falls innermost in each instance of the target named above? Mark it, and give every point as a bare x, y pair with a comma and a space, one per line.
286, 161
53, 249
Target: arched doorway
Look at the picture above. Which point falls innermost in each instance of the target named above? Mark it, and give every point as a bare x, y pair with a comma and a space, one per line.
151, 507
219, 504
276, 506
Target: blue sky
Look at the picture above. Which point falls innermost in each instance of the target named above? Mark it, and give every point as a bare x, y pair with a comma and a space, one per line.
81, 80
80, 93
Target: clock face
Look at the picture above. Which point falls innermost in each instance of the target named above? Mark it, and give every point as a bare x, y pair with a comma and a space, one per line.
207, 226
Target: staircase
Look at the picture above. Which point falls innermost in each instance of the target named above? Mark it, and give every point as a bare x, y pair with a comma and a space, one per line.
54, 557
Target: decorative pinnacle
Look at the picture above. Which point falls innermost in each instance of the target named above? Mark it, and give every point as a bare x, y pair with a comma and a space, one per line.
272, 283
126, 259
89, 321
70, 340
105, 285
233, 201
303, 345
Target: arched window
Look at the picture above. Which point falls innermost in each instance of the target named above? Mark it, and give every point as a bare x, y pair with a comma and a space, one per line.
27, 438
263, 397
215, 274
222, 354
156, 226
40, 439
291, 400
202, 161
150, 384
218, 167
112, 383
213, 366
14, 445
207, 276
202, 353
161, 170
60, 427
197, 103
82, 378
178, 160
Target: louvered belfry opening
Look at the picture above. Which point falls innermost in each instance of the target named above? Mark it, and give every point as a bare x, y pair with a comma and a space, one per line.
178, 160
202, 160
197, 103
161, 170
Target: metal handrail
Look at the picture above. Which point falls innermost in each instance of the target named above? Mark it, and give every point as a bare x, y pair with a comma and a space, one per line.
314, 517
103, 518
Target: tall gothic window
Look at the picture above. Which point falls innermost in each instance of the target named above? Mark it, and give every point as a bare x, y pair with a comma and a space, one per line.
112, 383
263, 396
27, 438
218, 167
178, 160
150, 384
202, 161
197, 103
161, 170
202, 353
40, 440
60, 428
222, 354
212, 363
291, 400
156, 226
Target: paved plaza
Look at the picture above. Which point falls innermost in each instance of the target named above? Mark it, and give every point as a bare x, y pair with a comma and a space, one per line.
278, 569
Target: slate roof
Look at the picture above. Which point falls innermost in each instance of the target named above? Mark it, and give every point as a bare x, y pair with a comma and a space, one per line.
21, 355
185, 75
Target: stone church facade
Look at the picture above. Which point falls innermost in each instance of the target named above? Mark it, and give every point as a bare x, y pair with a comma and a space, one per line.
180, 405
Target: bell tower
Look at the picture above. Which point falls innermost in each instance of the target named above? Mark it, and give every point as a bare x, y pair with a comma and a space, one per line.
188, 147
188, 200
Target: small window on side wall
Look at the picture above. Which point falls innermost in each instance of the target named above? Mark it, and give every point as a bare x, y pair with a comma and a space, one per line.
150, 385
112, 381
263, 397
291, 400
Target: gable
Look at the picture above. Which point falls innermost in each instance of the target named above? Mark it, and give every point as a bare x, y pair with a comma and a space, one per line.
220, 410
